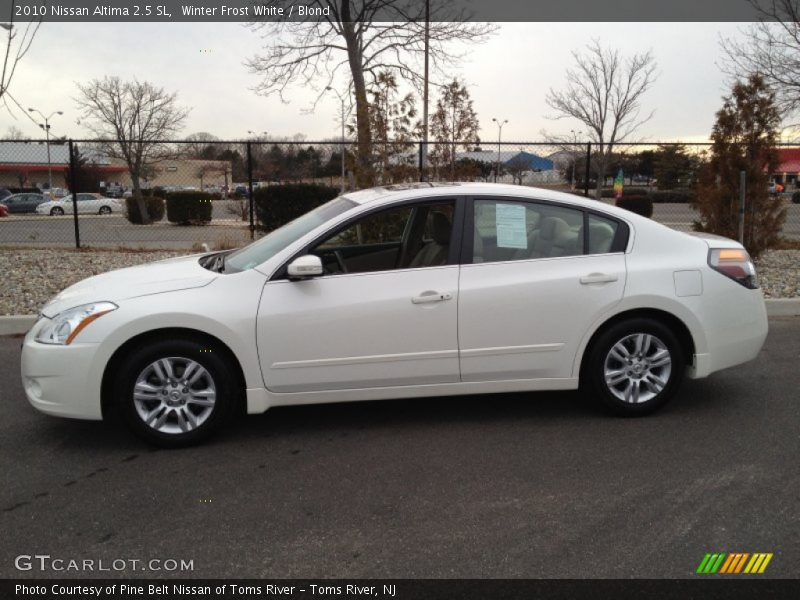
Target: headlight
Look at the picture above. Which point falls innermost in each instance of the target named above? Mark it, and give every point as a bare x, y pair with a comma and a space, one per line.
63, 328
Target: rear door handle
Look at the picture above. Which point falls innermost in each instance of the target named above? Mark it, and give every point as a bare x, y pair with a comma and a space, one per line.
598, 278
431, 296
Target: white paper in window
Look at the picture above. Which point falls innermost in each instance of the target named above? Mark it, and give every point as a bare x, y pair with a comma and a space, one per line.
510, 224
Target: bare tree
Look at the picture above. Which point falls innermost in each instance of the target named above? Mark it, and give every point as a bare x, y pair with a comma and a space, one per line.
15, 133
133, 118
604, 92
362, 38
202, 145
18, 40
771, 48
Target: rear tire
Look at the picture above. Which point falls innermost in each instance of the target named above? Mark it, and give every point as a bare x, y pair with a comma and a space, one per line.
56, 212
105, 210
175, 393
635, 367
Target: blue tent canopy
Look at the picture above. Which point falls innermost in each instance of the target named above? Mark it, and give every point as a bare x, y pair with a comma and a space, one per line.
532, 162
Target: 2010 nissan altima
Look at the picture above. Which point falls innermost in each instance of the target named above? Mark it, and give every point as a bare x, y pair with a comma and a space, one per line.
399, 291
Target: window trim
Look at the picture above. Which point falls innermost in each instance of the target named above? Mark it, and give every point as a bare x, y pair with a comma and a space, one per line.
618, 245
281, 274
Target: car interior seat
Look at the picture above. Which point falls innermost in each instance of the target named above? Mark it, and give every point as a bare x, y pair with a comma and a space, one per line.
601, 236
434, 252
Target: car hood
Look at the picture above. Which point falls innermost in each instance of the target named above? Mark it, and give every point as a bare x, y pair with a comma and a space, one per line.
169, 275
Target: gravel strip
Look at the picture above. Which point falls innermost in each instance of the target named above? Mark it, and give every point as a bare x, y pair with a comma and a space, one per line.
779, 273
33, 276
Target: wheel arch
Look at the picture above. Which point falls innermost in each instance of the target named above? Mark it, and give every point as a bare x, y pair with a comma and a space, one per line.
106, 386
675, 324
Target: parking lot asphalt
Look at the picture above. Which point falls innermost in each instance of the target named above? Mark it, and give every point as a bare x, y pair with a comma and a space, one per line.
114, 230
519, 485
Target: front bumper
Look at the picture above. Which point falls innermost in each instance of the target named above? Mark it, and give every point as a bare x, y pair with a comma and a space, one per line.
60, 380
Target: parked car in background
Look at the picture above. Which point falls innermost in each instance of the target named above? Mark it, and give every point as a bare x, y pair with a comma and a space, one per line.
403, 291
114, 190
3, 210
4, 193
24, 203
775, 187
87, 203
54, 193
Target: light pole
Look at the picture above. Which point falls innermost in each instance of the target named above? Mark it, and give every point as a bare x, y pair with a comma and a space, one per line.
341, 100
424, 163
499, 135
574, 154
46, 127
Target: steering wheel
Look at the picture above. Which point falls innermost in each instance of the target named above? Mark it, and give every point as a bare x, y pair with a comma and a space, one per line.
338, 255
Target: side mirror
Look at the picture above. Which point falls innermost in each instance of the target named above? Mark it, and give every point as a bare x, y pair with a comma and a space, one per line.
306, 266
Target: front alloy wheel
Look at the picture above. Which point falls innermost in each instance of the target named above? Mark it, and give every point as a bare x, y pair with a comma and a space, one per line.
56, 211
635, 366
176, 392
174, 395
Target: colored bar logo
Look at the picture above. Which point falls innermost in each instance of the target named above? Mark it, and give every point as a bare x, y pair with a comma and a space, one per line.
734, 562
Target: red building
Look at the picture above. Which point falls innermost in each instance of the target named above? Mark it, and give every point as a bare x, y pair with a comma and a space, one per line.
788, 168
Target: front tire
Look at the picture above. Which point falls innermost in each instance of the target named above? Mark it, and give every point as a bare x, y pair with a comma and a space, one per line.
105, 210
175, 393
635, 367
56, 212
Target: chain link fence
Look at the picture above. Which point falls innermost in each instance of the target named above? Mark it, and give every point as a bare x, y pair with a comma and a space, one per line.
79, 193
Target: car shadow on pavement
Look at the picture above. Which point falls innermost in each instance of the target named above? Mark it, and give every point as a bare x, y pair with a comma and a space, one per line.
544, 409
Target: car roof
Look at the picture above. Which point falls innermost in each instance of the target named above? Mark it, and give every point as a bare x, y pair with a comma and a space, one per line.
389, 193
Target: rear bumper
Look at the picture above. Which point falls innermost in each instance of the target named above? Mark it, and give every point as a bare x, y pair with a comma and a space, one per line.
735, 333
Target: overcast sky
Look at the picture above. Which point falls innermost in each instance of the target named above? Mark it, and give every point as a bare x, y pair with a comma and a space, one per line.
508, 76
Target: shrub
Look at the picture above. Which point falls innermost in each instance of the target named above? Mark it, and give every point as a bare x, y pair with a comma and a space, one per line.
796, 198
641, 205
155, 209
276, 205
626, 191
673, 196
189, 208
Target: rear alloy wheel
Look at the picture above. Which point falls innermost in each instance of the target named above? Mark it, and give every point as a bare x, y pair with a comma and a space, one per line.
56, 211
636, 366
105, 210
175, 393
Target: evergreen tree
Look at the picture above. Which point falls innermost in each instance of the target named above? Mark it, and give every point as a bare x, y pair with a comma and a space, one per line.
454, 124
744, 139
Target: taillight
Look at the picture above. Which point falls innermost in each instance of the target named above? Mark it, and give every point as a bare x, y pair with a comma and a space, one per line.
736, 264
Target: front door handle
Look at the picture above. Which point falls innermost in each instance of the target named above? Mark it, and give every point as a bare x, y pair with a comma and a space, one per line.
431, 296
598, 278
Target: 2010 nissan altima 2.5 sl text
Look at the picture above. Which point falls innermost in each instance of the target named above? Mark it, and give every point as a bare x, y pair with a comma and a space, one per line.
415, 290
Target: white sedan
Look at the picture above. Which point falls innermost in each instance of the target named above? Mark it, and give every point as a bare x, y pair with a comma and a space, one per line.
95, 204
395, 292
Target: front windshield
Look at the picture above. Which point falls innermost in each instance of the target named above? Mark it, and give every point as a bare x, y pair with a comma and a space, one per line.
268, 246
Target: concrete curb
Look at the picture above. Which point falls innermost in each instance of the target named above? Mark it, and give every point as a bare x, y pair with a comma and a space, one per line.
16, 324
776, 307
783, 307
